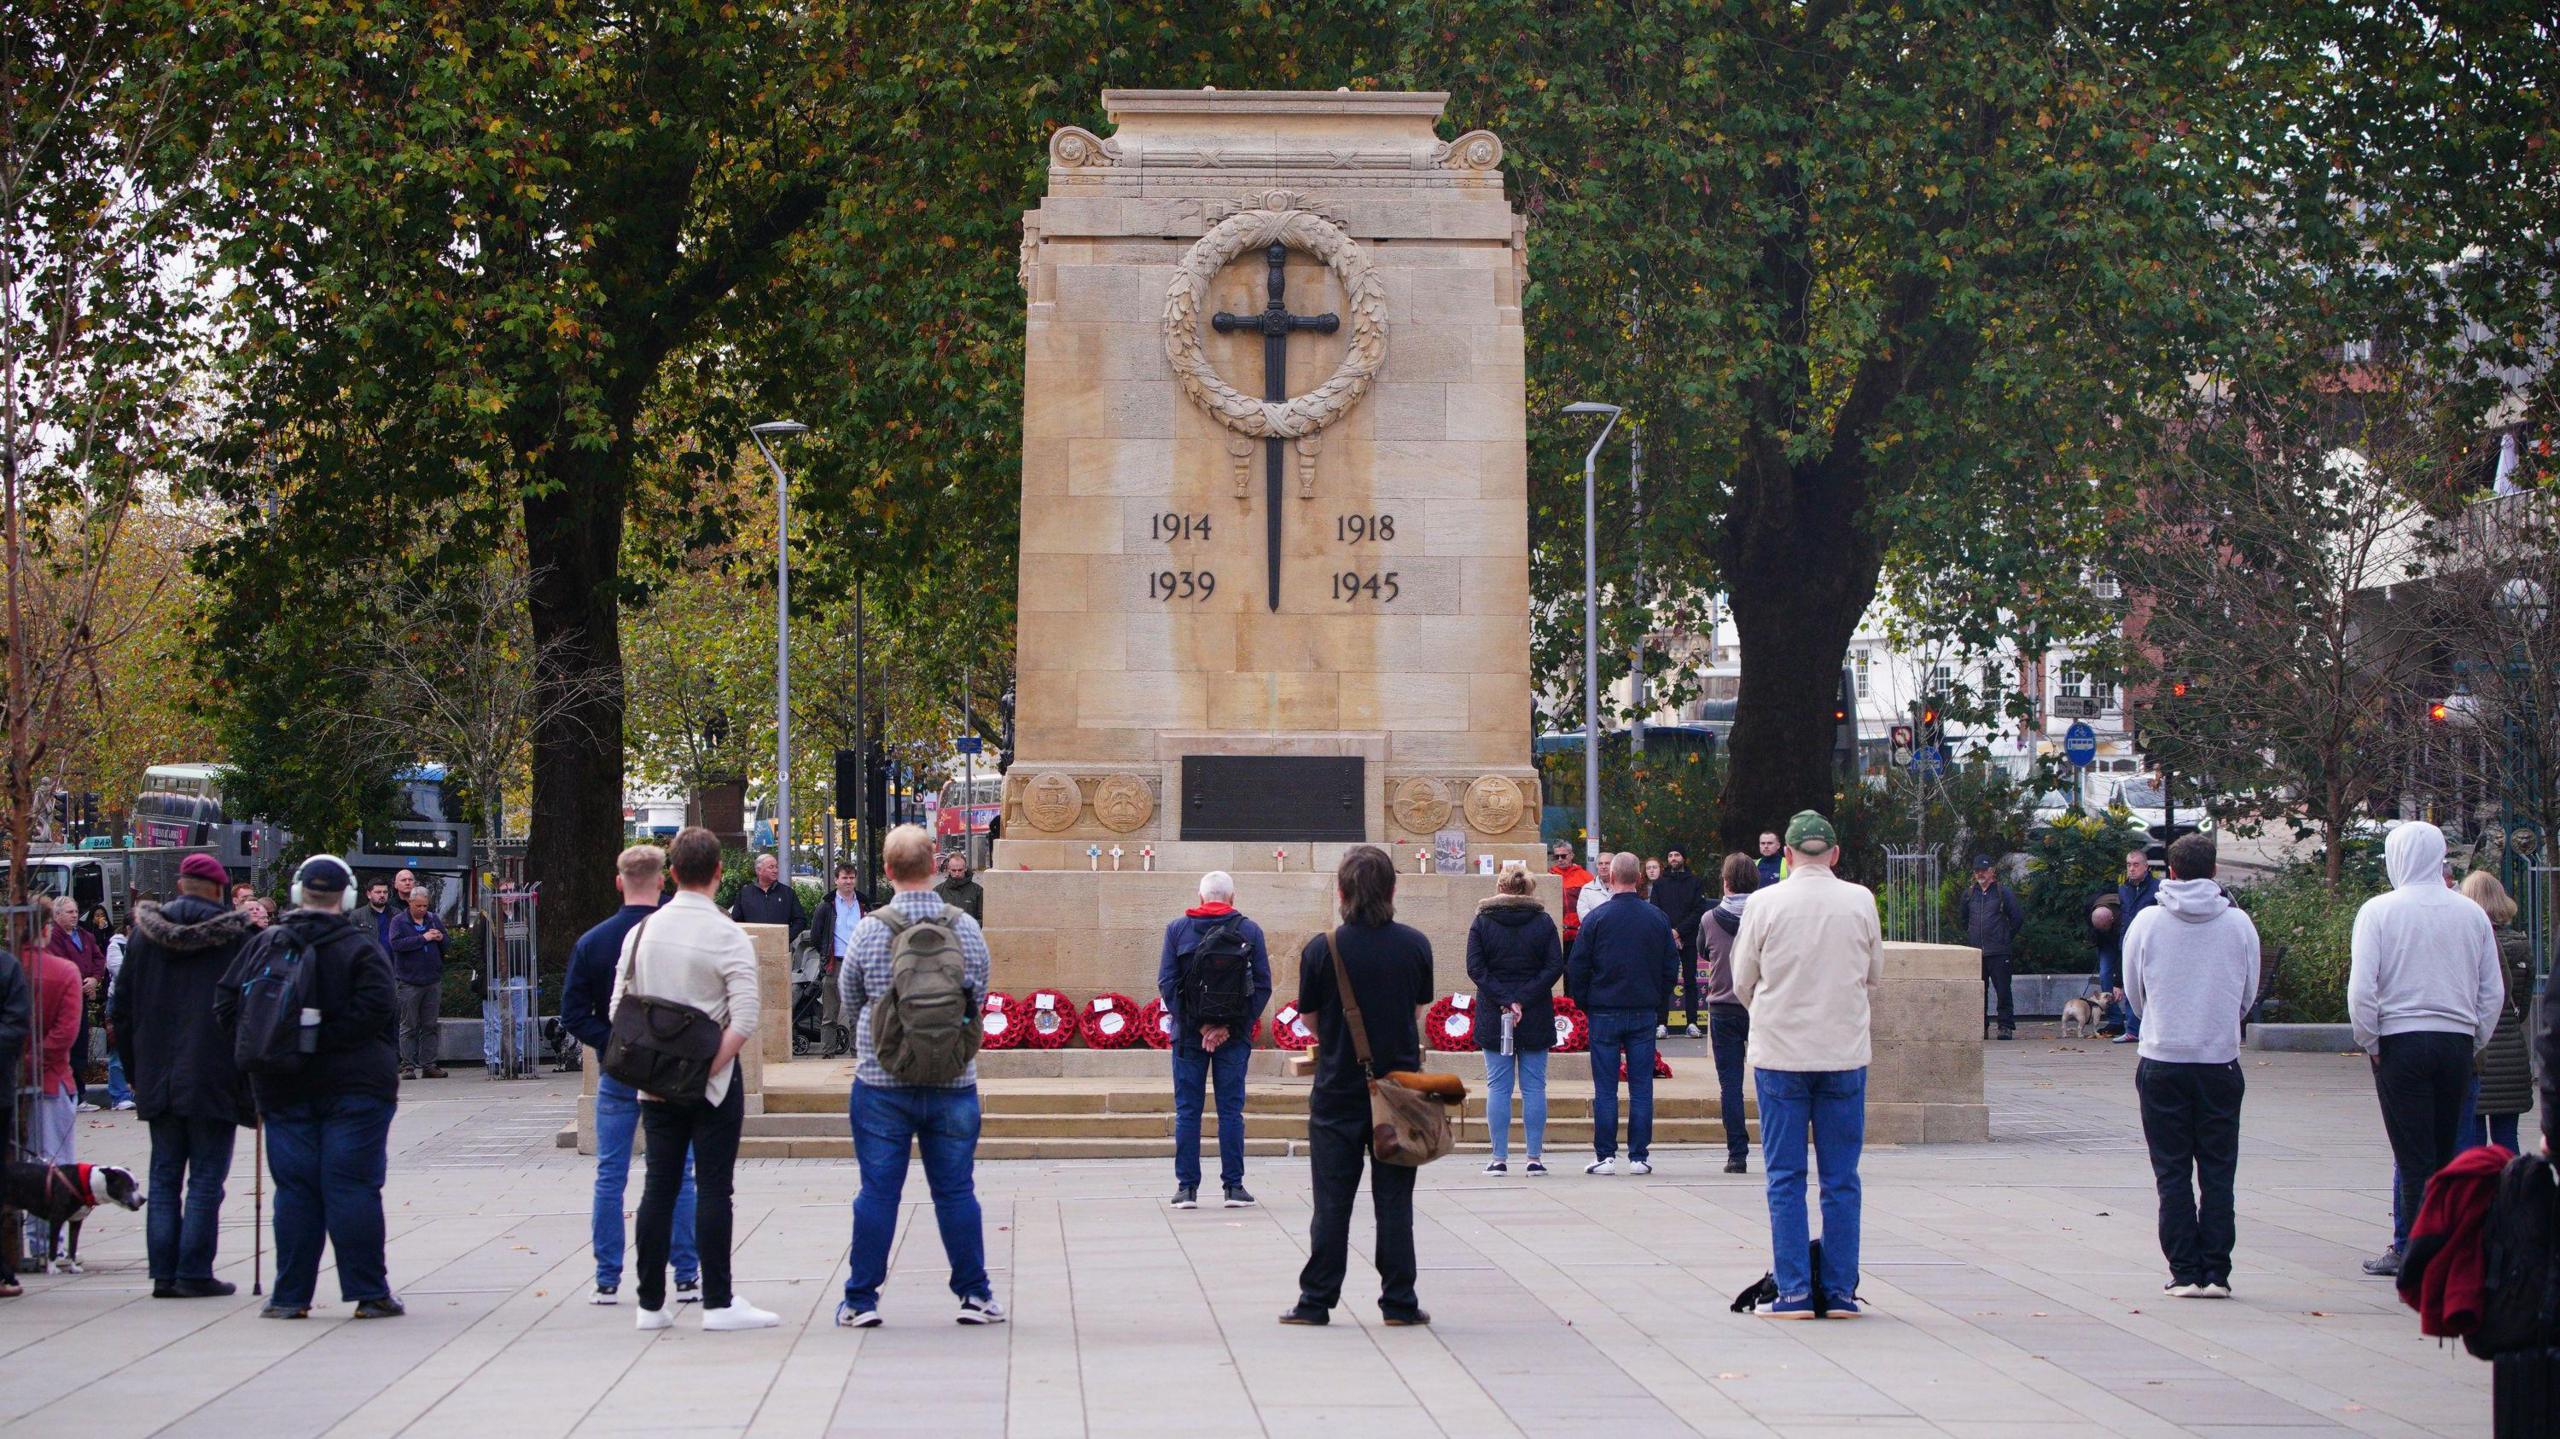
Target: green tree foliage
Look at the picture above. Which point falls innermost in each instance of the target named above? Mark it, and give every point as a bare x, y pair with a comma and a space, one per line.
2071, 862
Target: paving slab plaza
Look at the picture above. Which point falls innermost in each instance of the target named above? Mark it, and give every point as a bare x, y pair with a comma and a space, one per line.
2014, 1291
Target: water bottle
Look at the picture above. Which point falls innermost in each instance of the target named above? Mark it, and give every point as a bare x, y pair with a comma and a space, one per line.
309, 1040
1507, 1023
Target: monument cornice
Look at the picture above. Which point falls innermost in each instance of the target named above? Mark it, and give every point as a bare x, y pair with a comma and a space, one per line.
1428, 104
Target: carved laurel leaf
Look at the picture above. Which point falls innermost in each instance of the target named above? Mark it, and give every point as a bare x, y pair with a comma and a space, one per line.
1283, 219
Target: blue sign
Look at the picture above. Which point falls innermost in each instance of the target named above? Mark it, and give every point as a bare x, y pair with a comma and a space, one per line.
2080, 744
972, 744
1930, 762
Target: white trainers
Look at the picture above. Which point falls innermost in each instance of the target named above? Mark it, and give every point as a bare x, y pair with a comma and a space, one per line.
606, 1295
659, 1318
2210, 1290
125, 1107
981, 1311
1639, 1166
1601, 1166
848, 1317
739, 1315
1662, 1031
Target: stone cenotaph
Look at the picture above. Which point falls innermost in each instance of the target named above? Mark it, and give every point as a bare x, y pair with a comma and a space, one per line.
1274, 574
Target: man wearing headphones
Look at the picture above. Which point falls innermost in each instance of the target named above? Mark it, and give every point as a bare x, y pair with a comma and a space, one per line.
328, 1120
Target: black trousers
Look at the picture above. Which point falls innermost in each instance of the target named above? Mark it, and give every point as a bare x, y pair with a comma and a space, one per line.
711, 1132
1689, 975
2191, 1121
1995, 970
1337, 1147
1729, 1032
2422, 1079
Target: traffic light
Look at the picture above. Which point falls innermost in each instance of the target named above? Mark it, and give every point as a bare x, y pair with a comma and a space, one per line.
2439, 712
848, 783
1933, 725
1844, 724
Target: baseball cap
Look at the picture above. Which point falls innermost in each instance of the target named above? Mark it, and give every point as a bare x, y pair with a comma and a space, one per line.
1981, 862
204, 867
324, 874
1810, 832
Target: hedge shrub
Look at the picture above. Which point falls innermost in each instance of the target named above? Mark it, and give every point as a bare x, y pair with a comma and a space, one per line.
2294, 909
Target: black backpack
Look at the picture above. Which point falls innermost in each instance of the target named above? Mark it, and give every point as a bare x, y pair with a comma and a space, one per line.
1218, 987
268, 1035
2520, 1283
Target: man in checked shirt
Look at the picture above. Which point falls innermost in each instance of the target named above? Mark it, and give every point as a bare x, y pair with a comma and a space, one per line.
887, 1115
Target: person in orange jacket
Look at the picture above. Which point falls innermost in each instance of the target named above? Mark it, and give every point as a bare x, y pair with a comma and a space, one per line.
1574, 877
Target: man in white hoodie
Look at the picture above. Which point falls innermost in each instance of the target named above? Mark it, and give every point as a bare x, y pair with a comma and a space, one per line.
2424, 992
2190, 973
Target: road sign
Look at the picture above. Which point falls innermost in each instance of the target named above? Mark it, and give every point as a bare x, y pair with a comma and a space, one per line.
1902, 745
972, 744
1930, 762
2080, 744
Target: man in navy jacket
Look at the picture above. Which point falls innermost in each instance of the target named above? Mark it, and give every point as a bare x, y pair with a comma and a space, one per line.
1620, 972
586, 1011
1220, 1050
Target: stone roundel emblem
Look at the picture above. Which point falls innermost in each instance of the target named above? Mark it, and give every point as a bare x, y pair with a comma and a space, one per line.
1277, 218
1122, 802
1051, 801
1419, 806
1494, 805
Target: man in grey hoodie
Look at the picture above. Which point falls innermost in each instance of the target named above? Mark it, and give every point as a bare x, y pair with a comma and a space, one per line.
2190, 972
2424, 992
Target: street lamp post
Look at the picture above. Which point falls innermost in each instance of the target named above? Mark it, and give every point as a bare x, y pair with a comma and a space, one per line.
1591, 625
781, 430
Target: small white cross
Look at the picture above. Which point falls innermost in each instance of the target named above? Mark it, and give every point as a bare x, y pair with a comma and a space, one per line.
1115, 859
1280, 859
1093, 857
1422, 861
1147, 856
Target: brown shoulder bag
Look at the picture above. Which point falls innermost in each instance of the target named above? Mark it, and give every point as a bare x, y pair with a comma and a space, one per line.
1412, 1117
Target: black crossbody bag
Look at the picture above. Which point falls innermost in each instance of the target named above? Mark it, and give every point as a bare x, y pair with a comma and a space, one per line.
660, 1047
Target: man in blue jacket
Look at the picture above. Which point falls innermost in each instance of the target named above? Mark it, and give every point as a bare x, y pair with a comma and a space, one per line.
1214, 927
586, 1011
2140, 891
1620, 972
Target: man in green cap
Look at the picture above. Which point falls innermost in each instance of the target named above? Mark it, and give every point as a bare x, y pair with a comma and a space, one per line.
1810, 954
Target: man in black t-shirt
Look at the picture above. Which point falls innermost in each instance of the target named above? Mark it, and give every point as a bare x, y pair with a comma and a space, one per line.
1389, 968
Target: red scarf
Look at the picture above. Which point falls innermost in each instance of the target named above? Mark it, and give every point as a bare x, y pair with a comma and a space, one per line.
1210, 911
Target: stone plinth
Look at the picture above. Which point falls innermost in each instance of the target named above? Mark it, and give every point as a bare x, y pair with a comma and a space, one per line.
1924, 1085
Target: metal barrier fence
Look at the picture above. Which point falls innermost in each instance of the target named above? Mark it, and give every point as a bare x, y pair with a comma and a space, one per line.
1911, 895
511, 952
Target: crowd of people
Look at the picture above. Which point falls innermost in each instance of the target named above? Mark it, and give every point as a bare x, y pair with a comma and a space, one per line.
306, 1024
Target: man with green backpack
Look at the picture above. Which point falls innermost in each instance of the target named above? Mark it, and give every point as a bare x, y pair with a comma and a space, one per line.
914, 987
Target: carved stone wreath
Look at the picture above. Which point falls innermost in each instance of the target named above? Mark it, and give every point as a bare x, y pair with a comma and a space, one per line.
1276, 216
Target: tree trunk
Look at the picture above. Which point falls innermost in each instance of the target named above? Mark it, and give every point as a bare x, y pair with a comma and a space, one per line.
1800, 574
573, 540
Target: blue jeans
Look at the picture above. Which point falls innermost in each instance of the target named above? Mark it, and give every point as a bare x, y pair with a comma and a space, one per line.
329, 1157
1193, 1071
617, 1119
944, 1124
520, 1007
193, 1155
1833, 1104
1627, 1033
2116, 1011
1530, 1065
2498, 1129
117, 1090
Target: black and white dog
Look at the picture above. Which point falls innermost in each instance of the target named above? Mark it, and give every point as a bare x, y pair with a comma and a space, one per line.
63, 1194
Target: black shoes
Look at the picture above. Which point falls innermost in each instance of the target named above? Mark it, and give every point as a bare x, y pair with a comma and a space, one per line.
1410, 1319
2384, 1265
2006, 1034
1239, 1197
1308, 1314
1737, 1165
194, 1289
285, 1311
384, 1308
1186, 1196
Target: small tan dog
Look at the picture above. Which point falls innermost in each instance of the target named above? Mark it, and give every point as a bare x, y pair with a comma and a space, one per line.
2082, 1014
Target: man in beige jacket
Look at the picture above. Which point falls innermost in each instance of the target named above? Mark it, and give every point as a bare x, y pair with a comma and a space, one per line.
1810, 954
691, 953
